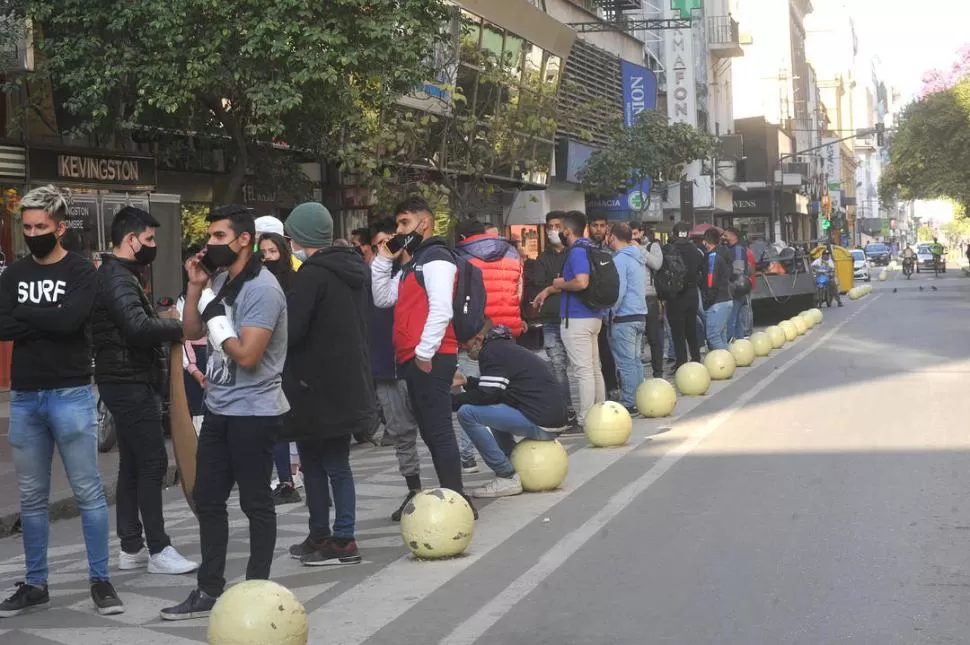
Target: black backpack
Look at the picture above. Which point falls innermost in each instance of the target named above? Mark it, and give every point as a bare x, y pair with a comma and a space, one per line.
604, 280
468, 300
671, 278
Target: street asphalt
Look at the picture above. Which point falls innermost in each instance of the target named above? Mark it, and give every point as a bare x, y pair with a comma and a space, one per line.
819, 497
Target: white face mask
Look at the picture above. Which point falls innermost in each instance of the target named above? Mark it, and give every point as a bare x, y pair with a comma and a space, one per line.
553, 237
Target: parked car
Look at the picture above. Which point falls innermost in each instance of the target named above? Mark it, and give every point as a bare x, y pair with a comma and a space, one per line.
924, 259
860, 266
877, 254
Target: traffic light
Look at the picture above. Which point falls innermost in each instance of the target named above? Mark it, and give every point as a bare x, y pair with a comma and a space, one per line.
880, 134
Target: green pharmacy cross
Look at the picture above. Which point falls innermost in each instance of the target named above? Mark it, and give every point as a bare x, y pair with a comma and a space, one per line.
686, 7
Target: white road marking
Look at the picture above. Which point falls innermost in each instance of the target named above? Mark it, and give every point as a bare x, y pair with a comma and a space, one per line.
475, 627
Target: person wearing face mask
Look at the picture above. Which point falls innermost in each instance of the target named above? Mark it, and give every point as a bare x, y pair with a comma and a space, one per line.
45, 308
129, 354
424, 337
547, 268
269, 224
244, 316
327, 380
516, 395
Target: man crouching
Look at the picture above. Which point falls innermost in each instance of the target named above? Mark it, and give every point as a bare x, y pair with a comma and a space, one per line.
517, 395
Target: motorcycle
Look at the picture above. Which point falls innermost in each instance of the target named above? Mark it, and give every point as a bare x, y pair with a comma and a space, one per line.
908, 267
822, 292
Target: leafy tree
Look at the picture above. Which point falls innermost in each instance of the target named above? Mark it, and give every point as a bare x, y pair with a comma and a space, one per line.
248, 71
930, 154
926, 233
652, 148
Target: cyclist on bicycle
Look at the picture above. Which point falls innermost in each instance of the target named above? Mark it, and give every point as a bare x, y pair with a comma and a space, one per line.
937, 250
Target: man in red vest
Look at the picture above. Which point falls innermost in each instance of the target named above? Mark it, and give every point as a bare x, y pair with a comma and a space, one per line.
424, 339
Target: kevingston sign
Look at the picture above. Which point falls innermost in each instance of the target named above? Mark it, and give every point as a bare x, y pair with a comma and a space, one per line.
97, 168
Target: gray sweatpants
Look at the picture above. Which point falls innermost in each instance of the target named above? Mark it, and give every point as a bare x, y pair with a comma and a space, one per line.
399, 423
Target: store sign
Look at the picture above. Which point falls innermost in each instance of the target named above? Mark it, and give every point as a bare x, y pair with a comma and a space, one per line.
71, 167
751, 204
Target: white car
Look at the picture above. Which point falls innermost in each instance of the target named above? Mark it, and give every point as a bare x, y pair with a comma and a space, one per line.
860, 265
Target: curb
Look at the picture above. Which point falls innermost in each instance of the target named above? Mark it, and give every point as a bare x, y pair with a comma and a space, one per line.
66, 508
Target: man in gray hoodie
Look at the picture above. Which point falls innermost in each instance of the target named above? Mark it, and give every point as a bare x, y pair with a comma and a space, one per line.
653, 257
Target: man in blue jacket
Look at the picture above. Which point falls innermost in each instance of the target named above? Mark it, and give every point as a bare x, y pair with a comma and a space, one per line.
629, 313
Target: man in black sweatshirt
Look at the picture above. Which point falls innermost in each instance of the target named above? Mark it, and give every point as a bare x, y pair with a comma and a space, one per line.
45, 303
716, 290
682, 308
129, 340
517, 394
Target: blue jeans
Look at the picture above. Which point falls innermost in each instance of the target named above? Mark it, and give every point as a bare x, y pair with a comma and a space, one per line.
468, 367
556, 351
504, 422
627, 344
281, 457
39, 420
736, 324
326, 467
717, 324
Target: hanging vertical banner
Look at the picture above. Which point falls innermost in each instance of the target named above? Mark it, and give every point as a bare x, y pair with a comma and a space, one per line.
832, 166
681, 86
639, 94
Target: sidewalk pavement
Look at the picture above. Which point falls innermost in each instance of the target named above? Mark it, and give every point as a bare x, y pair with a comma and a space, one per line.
62, 503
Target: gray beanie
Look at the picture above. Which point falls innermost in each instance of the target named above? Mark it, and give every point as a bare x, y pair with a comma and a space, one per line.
310, 225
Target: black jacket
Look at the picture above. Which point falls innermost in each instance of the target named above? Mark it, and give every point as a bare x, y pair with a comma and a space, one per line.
717, 284
540, 275
128, 335
694, 263
513, 375
327, 377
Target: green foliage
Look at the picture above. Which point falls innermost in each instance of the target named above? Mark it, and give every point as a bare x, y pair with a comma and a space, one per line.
246, 70
491, 123
930, 155
652, 148
926, 233
956, 231
194, 227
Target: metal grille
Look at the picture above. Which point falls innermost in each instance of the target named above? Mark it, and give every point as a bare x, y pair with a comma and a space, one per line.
591, 75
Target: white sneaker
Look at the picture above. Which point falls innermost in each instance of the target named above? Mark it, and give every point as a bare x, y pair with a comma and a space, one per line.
131, 561
498, 487
298, 480
171, 562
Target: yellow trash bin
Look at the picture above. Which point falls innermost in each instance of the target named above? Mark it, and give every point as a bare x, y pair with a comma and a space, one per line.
844, 268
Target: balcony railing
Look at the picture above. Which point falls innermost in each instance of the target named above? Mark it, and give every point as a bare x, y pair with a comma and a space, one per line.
724, 36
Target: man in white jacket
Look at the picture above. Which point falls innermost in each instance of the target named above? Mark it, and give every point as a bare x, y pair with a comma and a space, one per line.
653, 257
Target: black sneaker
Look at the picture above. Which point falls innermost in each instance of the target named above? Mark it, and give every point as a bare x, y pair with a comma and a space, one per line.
199, 604
469, 500
469, 466
572, 430
25, 598
396, 515
632, 409
303, 548
106, 599
332, 551
286, 494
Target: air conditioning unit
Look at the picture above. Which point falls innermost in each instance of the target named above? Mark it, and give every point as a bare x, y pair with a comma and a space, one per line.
732, 146
796, 169
16, 45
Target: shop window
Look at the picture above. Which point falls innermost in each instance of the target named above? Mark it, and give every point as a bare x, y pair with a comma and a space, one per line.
553, 70
493, 41
526, 238
470, 38
512, 56
532, 65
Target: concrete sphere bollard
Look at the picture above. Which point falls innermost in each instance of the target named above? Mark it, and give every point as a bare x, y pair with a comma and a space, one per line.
777, 336
692, 379
762, 343
800, 325
788, 328
437, 523
541, 465
256, 612
743, 352
720, 364
607, 424
656, 398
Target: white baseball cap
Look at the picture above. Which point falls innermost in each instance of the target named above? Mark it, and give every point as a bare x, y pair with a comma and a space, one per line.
268, 224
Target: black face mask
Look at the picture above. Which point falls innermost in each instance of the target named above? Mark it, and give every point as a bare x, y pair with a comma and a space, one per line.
220, 255
146, 255
41, 246
272, 265
563, 239
409, 242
